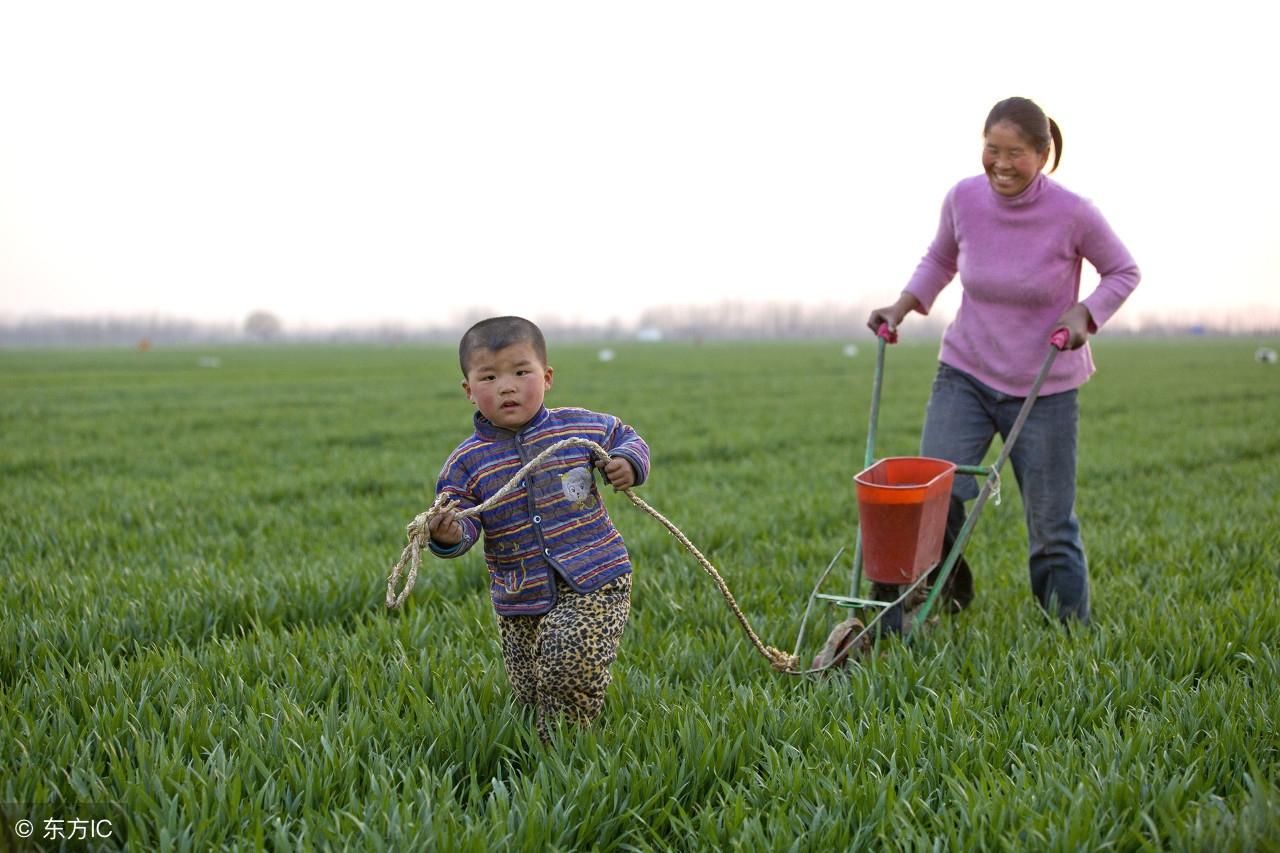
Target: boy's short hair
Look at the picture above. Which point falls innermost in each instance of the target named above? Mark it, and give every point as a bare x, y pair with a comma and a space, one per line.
498, 332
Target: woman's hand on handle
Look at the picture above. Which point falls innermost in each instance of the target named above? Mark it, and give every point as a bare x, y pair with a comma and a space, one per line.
892, 315
1078, 322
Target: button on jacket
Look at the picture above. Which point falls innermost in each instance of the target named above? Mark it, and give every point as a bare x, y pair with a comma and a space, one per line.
554, 521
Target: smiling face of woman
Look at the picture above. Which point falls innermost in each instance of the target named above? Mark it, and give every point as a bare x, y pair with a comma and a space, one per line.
1010, 159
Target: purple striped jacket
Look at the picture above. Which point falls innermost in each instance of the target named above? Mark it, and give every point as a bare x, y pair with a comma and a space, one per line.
555, 521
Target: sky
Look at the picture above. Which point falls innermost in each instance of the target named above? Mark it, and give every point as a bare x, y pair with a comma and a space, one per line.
413, 164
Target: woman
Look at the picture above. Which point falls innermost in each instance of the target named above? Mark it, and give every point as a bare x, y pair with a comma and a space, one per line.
1017, 238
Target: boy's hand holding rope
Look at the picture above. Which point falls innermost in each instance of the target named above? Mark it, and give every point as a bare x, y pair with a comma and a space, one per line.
419, 535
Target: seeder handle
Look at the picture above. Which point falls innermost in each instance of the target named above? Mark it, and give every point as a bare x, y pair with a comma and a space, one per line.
1060, 338
886, 335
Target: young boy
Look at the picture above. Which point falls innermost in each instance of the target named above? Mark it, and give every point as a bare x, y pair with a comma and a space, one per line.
559, 573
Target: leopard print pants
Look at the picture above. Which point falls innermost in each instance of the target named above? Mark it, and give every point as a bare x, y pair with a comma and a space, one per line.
558, 662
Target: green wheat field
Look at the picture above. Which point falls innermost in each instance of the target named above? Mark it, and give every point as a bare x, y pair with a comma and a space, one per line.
193, 637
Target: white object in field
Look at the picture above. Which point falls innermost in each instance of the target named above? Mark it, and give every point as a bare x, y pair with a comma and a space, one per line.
850, 350
606, 355
1266, 355
209, 361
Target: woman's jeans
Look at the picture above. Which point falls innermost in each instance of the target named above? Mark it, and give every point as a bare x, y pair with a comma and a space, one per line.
961, 421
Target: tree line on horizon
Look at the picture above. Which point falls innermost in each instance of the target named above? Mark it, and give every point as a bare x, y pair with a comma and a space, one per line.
722, 321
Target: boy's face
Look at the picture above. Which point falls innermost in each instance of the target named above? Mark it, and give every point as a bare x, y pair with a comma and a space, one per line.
507, 385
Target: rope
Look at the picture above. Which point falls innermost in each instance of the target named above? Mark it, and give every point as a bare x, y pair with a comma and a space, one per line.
419, 536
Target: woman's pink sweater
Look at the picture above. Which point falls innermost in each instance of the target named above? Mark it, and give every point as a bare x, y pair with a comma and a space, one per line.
1019, 265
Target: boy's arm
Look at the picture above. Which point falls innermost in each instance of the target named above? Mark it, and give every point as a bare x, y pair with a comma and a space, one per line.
624, 442
449, 485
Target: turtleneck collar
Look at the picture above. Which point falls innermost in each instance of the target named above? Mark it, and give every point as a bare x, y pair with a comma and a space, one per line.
1033, 191
488, 431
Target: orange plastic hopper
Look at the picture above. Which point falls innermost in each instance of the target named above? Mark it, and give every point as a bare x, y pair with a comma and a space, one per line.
902, 513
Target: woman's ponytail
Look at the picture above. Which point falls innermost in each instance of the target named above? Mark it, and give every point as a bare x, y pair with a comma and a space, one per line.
1056, 133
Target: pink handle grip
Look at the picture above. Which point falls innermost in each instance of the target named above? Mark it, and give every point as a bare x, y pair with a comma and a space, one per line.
1060, 338
886, 335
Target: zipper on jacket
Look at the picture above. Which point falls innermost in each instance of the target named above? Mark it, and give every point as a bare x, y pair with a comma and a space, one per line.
531, 506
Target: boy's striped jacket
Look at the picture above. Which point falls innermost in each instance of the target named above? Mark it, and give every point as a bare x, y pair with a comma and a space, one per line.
554, 521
